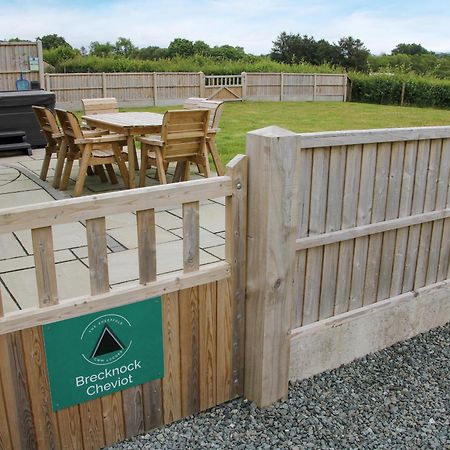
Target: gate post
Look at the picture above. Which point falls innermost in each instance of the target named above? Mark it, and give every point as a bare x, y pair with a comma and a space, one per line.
272, 221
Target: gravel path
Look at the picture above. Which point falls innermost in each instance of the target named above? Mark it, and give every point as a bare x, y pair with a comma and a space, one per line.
398, 398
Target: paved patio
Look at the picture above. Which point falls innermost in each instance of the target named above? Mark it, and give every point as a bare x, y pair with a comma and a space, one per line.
20, 185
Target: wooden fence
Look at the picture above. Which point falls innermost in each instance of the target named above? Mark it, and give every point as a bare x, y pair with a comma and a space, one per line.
164, 88
15, 60
203, 318
348, 250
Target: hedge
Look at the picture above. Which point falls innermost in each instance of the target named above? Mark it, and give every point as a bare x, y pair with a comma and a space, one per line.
387, 90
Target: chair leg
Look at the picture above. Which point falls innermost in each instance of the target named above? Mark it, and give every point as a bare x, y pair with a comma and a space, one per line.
187, 171
212, 150
62, 153
119, 161
100, 171
179, 170
207, 171
160, 167
144, 163
84, 164
46, 163
66, 174
111, 173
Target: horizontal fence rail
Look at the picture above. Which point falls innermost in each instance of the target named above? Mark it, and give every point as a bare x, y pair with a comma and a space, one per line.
41, 218
170, 88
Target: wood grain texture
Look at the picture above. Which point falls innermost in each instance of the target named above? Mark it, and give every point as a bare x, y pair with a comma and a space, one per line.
45, 423
5, 438
317, 218
207, 345
44, 261
91, 416
189, 351
172, 358
113, 421
349, 219
146, 245
17, 400
191, 237
97, 252
235, 255
225, 377
69, 425
133, 411
153, 404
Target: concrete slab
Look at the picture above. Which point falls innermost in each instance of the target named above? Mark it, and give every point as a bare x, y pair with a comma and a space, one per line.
207, 239
65, 236
27, 262
72, 280
10, 247
23, 198
9, 305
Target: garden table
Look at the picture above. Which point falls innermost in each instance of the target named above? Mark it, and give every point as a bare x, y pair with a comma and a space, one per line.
131, 124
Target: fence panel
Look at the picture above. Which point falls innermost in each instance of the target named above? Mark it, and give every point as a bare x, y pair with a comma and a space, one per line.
202, 316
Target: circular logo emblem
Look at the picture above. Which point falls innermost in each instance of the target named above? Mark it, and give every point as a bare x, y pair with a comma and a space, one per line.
106, 339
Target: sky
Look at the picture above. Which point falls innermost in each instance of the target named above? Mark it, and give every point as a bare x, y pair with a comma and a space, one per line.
251, 24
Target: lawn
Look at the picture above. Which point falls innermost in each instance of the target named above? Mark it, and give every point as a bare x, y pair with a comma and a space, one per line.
239, 118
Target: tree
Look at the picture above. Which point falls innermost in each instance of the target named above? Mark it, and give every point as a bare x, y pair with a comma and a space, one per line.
409, 49
181, 47
102, 50
58, 55
353, 54
152, 52
201, 48
124, 47
53, 41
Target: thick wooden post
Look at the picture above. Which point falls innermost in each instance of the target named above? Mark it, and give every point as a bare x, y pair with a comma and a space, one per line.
272, 221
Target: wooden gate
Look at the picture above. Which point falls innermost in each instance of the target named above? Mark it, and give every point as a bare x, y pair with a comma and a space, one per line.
203, 317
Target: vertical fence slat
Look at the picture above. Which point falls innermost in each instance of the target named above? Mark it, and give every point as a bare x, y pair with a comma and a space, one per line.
189, 349
392, 210
423, 153
69, 426
378, 215
38, 387
444, 256
146, 245
333, 223
5, 437
317, 217
363, 210
172, 369
17, 400
349, 208
429, 205
208, 345
45, 266
235, 254
92, 420
401, 242
304, 179
191, 237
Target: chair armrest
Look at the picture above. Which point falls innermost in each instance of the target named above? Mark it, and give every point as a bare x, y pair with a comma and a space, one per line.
103, 139
94, 133
151, 140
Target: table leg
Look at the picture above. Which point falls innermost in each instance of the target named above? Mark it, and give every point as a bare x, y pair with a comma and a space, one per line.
131, 161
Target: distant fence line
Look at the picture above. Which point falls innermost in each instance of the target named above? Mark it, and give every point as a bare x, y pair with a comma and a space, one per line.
171, 88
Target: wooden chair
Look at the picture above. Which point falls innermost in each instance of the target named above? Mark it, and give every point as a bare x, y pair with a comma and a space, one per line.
93, 106
183, 139
56, 142
90, 150
215, 108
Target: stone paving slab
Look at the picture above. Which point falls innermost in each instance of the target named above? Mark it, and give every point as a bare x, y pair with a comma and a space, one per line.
20, 186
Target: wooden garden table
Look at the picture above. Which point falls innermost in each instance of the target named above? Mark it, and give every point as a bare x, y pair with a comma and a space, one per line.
131, 124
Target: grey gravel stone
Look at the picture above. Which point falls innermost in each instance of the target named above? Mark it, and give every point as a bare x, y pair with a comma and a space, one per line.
398, 398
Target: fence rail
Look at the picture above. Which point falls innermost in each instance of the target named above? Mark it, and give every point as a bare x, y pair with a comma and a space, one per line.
164, 88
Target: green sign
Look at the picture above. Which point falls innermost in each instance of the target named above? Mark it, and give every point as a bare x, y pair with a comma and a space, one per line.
95, 355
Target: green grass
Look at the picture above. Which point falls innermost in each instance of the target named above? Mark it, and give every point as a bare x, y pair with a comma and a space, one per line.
240, 118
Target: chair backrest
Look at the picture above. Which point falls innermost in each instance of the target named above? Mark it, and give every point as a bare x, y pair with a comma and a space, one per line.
93, 106
214, 106
47, 121
70, 127
184, 133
